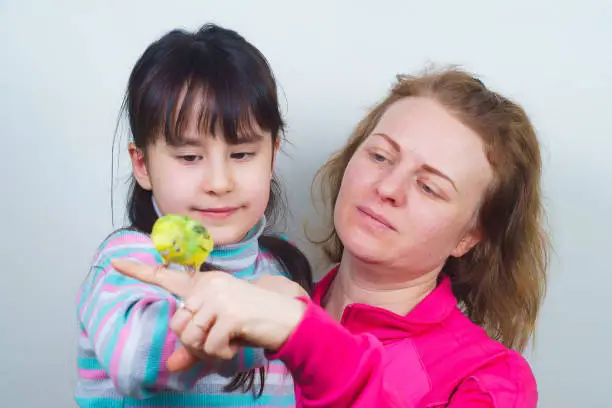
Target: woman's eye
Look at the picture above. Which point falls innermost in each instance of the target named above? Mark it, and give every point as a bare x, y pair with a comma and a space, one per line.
190, 158
426, 189
379, 158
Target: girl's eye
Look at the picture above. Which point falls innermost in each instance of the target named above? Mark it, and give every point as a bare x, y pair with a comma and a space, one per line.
242, 155
190, 158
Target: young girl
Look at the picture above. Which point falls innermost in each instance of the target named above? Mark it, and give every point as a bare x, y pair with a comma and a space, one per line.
206, 127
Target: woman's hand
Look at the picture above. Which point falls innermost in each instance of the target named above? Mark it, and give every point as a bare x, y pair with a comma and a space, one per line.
184, 358
281, 285
221, 312
222, 309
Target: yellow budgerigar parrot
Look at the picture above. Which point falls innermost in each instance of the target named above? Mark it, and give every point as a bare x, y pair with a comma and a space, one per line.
182, 240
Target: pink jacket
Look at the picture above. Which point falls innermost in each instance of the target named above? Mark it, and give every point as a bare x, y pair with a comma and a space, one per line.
432, 357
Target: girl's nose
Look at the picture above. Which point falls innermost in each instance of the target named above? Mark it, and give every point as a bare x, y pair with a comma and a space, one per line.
219, 180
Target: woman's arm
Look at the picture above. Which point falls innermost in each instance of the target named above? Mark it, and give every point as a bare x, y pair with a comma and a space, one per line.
335, 368
330, 366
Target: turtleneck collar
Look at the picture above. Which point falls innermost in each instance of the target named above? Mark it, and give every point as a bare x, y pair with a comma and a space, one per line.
238, 257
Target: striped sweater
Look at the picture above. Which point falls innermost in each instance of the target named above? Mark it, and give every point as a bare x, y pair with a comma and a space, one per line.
125, 339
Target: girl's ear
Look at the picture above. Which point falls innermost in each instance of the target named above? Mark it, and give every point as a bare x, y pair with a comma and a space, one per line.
139, 167
274, 151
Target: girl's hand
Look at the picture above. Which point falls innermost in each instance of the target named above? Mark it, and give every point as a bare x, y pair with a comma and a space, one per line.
221, 312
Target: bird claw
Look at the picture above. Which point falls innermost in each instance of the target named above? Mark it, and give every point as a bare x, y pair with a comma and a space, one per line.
161, 266
191, 271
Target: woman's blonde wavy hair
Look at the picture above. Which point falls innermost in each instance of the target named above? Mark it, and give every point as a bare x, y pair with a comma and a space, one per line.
501, 282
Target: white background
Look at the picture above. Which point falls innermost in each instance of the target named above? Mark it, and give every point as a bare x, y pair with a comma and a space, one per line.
63, 69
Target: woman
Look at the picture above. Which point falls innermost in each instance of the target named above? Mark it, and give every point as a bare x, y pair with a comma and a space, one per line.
436, 204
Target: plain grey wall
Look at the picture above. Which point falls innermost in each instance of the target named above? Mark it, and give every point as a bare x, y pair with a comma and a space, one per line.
63, 68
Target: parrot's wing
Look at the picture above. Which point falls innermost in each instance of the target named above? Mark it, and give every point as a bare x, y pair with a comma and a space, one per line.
200, 230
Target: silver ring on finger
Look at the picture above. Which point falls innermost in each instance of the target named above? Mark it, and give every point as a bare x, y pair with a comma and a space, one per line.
183, 305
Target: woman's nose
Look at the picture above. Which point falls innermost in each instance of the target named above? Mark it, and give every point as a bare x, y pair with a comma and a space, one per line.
392, 187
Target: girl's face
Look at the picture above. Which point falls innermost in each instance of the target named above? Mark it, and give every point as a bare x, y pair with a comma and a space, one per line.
411, 193
226, 187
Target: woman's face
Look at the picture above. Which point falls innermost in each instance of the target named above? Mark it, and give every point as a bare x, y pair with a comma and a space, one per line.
410, 194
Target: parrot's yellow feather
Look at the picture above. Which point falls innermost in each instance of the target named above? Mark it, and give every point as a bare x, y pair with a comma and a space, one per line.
182, 240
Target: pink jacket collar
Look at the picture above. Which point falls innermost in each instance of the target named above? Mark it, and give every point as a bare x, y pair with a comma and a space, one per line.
386, 325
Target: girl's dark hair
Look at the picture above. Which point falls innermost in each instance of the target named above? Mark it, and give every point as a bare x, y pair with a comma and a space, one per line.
221, 81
